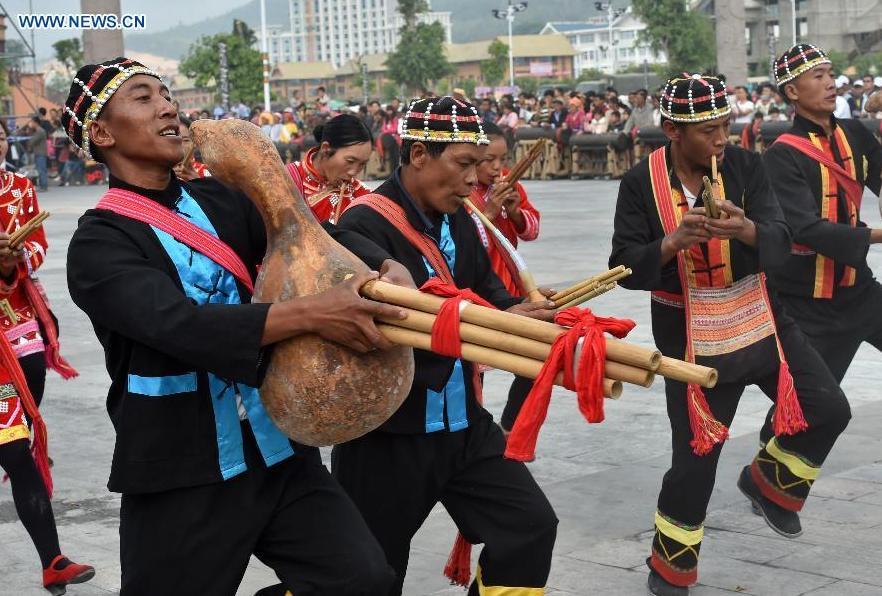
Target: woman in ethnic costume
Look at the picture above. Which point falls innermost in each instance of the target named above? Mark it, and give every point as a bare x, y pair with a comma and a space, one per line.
326, 176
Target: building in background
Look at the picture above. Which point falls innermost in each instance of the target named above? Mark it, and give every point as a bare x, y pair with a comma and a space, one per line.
337, 31
539, 56
851, 26
591, 41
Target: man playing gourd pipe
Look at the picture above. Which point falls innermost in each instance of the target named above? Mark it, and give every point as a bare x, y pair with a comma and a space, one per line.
441, 445
710, 301
207, 479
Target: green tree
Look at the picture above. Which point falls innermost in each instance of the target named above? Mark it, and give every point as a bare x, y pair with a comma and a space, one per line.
69, 53
419, 57
527, 84
244, 65
468, 86
390, 89
493, 70
685, 35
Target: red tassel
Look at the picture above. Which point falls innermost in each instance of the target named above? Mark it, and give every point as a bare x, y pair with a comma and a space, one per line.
788, 418
54, 360
459, 564
707, 431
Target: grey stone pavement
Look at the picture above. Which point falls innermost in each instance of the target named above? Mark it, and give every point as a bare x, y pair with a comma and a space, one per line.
602, 479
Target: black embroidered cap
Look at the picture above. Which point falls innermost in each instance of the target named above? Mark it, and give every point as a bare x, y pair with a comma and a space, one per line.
442, 120
694, 98
91, 89
797, 60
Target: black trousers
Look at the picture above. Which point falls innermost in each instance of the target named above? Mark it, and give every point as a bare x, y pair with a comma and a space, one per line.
396, 480
838, 327
293, 517
517, 395
688, 484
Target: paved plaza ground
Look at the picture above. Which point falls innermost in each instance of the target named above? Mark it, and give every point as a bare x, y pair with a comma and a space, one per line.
602, 479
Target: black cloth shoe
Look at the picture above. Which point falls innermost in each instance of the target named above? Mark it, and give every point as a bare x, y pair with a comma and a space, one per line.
658, 586
783, 521
276, 590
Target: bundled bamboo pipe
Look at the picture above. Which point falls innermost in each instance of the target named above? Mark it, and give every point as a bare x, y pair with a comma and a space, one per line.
519, 365
514, 344
566, 295
520, 168
616, 350
29, 227
594, 290
687, 372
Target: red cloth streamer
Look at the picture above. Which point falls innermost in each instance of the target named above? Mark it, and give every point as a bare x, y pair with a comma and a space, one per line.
459, 564
446, 339
587, 381
788, 418
39, 447
54, 359
707, 431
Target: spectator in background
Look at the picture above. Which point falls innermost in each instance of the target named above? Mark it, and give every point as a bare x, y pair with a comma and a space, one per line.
486, 112
242, 111
869, 89
764, 102
856, 98
395, 104
614, 122
641, 112
276, 128
843, 109
290, 130
36, 144
265, 122
44, 122
558, 114
742, 107
74, 170
389, 139
508, 122
775, 115
322, 99
575, 120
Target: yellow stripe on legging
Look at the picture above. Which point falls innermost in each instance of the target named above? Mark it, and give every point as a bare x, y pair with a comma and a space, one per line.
504, 590
681, 535
793, 462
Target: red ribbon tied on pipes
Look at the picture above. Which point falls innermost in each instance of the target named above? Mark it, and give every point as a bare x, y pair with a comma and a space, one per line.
584, 376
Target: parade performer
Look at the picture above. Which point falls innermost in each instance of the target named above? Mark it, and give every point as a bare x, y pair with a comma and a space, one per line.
822, 166
512, 213
710, 302
24, 354
163, 270
326, 176
441, 444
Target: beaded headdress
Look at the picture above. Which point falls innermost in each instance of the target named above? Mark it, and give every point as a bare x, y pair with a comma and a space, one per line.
694, 98
797, 60
442, 120
91, 89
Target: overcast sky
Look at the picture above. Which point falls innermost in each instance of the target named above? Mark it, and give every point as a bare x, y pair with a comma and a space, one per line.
160, 15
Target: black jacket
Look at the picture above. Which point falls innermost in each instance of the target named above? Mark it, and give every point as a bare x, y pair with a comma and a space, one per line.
796, 179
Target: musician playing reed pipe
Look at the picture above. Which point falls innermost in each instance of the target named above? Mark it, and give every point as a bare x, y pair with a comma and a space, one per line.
206, 477
441, 444
512, 213
710, 302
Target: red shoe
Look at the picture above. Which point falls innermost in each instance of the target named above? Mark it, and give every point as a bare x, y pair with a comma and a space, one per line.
55, 579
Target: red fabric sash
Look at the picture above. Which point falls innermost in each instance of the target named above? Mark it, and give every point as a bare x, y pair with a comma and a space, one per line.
854, 191
54, 359
140, 208
584, 377
39, 447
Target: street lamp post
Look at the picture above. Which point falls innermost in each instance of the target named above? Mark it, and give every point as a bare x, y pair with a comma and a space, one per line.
508, 13
265, 56
611, 15
793, 17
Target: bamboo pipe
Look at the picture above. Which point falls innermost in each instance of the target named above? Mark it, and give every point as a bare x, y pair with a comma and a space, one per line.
595, 290
521, 346
521, 167
687, 372
29, 227
519, 365
529, 285
566, 295
616, 350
